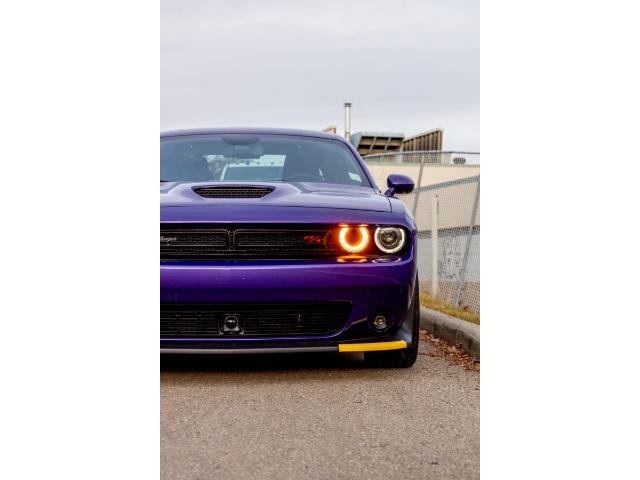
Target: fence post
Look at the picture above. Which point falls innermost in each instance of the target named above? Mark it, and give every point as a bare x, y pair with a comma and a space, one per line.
463, 268
434, 246
417, 190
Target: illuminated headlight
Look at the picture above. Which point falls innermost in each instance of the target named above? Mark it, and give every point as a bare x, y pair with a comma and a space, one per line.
389, 239
352, 239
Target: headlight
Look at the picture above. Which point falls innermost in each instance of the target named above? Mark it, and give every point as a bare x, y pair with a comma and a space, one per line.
353, 240
389, 239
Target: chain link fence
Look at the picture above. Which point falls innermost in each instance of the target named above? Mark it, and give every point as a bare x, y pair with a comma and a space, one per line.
448, 222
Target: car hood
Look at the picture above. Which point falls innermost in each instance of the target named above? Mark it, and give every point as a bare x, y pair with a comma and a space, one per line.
306, 195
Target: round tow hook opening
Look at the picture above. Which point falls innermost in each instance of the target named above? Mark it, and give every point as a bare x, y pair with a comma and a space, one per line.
231, 323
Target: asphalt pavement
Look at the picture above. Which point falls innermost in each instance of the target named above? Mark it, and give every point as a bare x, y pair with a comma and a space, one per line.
317, 416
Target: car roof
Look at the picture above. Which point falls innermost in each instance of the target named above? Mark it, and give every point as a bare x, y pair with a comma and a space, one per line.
251, 130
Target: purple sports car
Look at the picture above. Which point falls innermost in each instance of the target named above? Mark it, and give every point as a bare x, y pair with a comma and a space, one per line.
280, 241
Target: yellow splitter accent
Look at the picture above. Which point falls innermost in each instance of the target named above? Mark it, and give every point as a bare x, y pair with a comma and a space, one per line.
371, 347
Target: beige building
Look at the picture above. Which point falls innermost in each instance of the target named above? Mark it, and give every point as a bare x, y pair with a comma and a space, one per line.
431, 174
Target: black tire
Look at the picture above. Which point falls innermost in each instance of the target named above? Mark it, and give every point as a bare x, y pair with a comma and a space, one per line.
403, 358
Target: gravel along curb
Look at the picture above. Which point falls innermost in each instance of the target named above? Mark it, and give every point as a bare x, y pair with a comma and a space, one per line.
452, 330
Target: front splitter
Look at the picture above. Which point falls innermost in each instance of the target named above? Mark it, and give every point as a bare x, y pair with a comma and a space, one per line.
341, 347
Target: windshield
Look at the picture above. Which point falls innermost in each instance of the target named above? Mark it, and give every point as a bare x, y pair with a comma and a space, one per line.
264, 158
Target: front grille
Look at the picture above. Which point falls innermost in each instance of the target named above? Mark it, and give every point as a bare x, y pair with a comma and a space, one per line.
180, 321
299, 240
247, 241
233, 192
192, 242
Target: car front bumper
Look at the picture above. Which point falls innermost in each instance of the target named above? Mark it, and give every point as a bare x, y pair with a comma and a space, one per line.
371, 287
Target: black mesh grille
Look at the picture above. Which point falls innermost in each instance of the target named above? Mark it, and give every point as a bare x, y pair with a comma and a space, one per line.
202, 242
259, 319
307, 240
192, 242
233, 192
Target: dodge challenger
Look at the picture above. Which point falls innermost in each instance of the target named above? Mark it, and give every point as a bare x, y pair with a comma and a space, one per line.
276, 240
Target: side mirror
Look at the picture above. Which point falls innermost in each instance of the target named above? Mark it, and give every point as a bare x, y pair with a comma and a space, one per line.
399, 184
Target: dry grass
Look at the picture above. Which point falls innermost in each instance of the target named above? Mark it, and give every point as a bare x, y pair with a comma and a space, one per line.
436, 304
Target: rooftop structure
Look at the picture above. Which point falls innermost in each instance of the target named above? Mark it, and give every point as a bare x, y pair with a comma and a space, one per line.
427, 141
369, 143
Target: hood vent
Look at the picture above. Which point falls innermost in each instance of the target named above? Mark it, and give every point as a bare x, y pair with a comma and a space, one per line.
233, 192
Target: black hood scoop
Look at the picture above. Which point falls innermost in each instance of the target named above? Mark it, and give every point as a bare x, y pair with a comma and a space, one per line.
236, 191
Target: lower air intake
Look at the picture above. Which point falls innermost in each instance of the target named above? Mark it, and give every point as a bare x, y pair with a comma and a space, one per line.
200, 321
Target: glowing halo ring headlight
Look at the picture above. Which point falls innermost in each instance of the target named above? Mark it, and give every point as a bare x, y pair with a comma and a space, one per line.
389, 239
353, 247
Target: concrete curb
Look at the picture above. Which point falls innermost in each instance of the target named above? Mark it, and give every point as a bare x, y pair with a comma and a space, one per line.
452, 330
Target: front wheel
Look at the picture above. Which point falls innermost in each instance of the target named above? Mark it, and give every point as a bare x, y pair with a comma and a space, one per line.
406, 357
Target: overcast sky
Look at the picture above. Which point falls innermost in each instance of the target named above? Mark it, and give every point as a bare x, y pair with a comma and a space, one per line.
407, 66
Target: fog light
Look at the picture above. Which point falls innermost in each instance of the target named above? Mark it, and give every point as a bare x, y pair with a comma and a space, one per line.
380, 322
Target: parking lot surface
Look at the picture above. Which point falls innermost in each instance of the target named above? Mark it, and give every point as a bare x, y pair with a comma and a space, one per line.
317, 416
